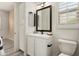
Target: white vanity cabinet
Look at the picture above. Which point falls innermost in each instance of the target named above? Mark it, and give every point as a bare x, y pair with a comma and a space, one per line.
30, 45
39, 45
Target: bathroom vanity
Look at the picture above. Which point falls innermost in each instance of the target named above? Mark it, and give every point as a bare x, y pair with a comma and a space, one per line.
39, 45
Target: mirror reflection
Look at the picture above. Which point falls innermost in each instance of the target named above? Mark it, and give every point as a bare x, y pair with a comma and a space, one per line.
44, 19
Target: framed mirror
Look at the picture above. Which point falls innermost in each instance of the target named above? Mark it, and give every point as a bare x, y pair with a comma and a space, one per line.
44, 19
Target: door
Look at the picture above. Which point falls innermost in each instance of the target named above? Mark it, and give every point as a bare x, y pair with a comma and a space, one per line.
22, 26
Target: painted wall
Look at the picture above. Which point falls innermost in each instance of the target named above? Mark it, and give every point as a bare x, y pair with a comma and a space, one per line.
30, 7
4, 23
11, 25
11, 21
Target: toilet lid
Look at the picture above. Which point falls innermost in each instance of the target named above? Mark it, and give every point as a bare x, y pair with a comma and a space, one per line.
62, 54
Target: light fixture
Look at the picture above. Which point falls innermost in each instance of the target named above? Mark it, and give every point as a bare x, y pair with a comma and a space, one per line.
41, 4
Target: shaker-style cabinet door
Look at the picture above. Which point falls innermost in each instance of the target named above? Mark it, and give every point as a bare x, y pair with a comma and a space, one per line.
40, 47
30, 45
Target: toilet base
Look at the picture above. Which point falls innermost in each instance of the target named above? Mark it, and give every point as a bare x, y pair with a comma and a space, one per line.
62, 54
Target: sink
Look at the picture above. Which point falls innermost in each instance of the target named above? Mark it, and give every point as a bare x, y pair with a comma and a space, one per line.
40, 35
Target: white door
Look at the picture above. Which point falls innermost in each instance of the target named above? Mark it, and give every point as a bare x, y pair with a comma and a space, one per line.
22, 26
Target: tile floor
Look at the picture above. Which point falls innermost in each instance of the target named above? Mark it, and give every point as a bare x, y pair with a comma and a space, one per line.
9, 48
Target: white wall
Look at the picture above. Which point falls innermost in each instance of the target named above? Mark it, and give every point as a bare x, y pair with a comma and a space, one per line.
11, 25
4, 23
30, 7
11, 21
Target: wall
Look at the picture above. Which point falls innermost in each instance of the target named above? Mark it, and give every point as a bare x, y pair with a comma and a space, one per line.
30, 7
11, 25
4, 23
11, 21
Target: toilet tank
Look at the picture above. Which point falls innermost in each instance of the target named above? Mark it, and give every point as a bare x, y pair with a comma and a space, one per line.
67, 47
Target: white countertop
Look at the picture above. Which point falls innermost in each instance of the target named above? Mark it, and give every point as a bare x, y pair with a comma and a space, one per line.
41, 35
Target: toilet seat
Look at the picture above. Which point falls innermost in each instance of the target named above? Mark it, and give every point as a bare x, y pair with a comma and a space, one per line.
62, 54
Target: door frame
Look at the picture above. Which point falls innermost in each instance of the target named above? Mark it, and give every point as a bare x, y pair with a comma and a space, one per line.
16, 32
16, 27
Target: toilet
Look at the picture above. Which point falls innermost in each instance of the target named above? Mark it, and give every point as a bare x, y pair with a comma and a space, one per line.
67, 47
2, 53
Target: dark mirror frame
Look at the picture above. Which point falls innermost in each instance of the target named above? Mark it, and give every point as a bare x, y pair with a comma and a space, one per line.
50, 11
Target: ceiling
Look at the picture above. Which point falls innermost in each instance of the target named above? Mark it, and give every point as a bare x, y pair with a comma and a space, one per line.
38, 3
6, 6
